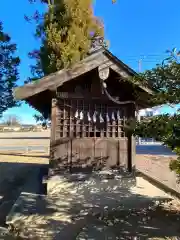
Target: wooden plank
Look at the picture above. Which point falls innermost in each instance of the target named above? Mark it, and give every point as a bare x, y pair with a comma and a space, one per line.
106, 153
82, 153
123, 150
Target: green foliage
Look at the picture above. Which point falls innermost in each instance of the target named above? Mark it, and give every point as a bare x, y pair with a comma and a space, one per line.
8, 71
66, 32
166, 129
165, 80
42, 120
163, 128
175, 164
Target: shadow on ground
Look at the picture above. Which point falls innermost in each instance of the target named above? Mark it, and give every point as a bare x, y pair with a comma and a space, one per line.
16, 177
95, 206
147, 223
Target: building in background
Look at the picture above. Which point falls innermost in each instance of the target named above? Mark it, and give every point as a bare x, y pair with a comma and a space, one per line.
22, 128
148, 112
145, 113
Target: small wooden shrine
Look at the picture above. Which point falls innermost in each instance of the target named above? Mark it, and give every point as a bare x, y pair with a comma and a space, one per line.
89, 105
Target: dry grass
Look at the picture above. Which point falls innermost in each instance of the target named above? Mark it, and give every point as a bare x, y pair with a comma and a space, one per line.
19, 157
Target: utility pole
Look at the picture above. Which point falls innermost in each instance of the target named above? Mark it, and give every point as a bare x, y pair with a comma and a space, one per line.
139, 65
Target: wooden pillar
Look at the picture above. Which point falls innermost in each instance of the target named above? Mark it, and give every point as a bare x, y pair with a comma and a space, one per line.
131, 153
53, 126
131, 141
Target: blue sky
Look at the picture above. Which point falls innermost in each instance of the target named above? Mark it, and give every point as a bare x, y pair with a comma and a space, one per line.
136, 30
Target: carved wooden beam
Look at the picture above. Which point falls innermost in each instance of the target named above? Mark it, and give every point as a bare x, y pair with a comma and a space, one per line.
67, 95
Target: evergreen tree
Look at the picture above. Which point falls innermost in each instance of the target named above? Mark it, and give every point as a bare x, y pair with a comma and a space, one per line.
66, 31
8, 71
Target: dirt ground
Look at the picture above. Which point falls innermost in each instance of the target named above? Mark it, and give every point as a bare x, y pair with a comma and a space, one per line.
89, 207
23, 139
141, 212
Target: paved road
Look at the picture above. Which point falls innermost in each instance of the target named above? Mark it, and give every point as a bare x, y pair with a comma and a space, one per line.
140, 149
153, 150
40, 141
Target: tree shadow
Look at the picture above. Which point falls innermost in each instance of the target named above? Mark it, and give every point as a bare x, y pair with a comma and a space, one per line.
81, 165
94, 207
17, 177
144, 223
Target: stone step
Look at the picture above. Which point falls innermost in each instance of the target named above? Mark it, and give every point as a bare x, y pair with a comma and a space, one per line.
10, 196
31, 190
25, 205
5, 235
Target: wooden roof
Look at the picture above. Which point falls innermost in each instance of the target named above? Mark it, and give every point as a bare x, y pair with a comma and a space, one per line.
101, 58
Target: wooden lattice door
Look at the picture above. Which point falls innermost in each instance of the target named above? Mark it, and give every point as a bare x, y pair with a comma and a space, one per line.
94, 132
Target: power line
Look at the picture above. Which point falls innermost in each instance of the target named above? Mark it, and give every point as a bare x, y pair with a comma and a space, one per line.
144, 59
140, 65
147, 55
136, 60
141, 61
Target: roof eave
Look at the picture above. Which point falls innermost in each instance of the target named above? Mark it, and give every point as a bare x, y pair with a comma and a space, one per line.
55, 80
52, 81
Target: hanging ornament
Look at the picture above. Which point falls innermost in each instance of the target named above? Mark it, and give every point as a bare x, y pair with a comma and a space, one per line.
113, 117
107, 117
118, 115
101, 118
94, 117
76, 114
89, 118
81, 115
